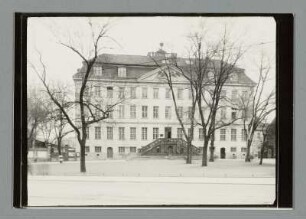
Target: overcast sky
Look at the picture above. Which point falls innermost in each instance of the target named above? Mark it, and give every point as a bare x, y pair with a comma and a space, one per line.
140, 35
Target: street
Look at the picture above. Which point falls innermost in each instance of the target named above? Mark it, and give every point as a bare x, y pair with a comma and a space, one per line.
99, 190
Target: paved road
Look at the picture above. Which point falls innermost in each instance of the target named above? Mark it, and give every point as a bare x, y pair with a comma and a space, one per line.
89, 190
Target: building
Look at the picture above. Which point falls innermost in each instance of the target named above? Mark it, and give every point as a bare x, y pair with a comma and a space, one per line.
144, 110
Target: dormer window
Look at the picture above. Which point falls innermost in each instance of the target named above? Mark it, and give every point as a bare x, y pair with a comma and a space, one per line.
210, 75
97, 70
121, 72
234, 77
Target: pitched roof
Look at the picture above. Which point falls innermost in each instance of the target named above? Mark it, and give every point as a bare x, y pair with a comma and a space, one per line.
151, 63
122, 59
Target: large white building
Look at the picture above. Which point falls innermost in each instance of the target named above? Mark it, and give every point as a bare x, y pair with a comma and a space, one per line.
145, 111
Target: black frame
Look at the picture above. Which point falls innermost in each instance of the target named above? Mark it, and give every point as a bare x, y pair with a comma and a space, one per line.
284, 112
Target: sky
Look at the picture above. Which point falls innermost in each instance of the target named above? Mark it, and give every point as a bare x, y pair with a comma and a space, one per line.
140, 35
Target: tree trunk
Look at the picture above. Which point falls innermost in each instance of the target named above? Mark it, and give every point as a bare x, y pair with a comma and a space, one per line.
59, 148
248, 157
82, 157
262, 153
204, 155
212, 148
189, 153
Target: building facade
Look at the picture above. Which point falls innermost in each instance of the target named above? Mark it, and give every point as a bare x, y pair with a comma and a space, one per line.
143, 109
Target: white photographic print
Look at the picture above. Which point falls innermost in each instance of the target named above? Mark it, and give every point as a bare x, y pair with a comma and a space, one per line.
151, 111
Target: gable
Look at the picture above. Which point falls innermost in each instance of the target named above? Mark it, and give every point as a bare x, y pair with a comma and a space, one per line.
158, 75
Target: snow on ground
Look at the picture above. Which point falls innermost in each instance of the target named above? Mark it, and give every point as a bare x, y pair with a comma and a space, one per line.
159, 168
152, 182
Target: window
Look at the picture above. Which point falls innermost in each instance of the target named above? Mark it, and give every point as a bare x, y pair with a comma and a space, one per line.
155, 133
222, 134
234, 77
121, 92
234, 94
144, 133
121, 72
244, 94
87, 149
121, 150
133, 111
180, 111
121, 111
189, 132
87, 132
189, 112
155, 112
133, 92
97, 110
132, 149
97, 70
97, 132
98, 149
144, 93
179, 133
109, 133
109, 92
233, 134
243, 149
144, 112
133, 133
201, 134
233, 149
121, 133
180, 93
223, 113
234, 113
223, 94
155, 93
86, 91
168, 112
210, 75
243, 135
189, 94
258, 135
168, 93
110, 111
97, 91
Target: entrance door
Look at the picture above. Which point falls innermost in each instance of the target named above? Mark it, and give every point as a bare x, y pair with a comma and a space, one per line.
222, 153
167, 132
109, 152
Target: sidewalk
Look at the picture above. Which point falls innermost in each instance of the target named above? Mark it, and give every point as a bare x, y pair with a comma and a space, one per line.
189, 180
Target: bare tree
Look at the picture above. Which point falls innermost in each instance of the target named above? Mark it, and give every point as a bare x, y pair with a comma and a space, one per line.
171, 68
256, 106
215, 65
37, 114
90, 112
57, 119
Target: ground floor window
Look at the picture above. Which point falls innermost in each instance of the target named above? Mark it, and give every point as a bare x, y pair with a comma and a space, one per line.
144, 133
243, 149
233, 149
179, 133
133, 149
98, 149
121, 150
87, 149
155, 133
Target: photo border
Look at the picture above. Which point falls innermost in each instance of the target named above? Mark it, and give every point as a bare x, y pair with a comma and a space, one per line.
284, 112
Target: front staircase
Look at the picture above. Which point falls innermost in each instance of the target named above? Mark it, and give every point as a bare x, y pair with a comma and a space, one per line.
167, 146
